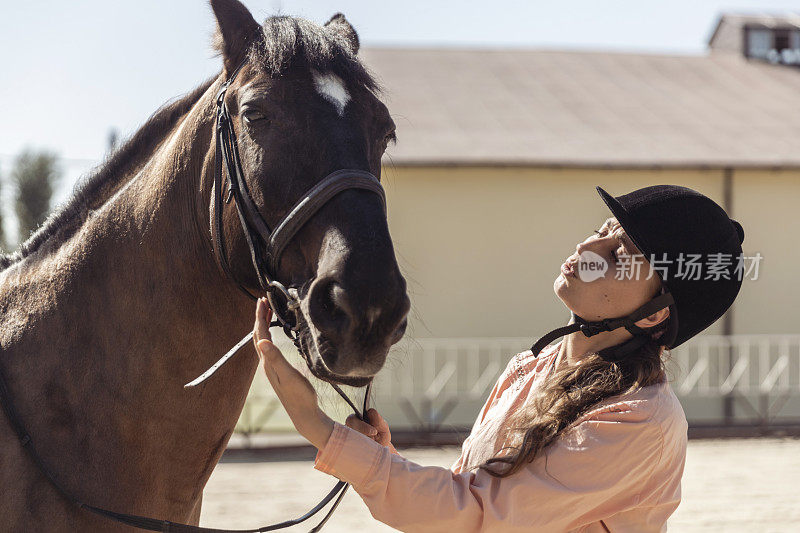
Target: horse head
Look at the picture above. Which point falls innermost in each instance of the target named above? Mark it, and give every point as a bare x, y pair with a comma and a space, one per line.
303, 106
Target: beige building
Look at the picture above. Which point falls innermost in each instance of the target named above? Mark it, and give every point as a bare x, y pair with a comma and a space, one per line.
491, 184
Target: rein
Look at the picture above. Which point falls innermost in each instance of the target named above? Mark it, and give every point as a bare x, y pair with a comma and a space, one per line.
266, 247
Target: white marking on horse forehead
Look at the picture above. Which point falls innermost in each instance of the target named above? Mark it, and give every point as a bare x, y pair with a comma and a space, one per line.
332, 88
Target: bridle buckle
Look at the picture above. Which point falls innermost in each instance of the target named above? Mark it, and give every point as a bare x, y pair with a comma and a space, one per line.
594, 328
220, 98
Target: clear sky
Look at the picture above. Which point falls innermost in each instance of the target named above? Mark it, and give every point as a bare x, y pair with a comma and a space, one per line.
72, 71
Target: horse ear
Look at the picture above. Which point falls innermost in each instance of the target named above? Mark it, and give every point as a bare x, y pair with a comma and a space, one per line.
339, 25
236, 28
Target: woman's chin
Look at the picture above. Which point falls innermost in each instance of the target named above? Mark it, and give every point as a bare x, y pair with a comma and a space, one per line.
564, 290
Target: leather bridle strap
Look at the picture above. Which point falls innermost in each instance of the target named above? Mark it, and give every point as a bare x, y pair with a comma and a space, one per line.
154, 524
217, 193
312, 201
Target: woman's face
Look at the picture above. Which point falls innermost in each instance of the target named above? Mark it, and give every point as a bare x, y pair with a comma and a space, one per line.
603, 281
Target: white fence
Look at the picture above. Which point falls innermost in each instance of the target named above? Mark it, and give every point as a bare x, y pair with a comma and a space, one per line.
747, 364
432, 383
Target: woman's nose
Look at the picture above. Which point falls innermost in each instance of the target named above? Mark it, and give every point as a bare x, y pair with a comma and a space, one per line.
583, 246
590, 244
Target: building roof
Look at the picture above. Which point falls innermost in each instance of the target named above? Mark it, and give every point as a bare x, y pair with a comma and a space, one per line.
584, 108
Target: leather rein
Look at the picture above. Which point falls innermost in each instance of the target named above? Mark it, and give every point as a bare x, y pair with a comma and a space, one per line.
266, 247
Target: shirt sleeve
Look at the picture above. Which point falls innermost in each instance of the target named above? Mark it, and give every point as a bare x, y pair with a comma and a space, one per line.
598, 468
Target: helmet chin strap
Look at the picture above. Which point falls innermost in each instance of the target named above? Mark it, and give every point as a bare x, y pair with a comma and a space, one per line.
640, 336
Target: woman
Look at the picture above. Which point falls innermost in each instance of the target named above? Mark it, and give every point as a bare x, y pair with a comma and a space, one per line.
586, 437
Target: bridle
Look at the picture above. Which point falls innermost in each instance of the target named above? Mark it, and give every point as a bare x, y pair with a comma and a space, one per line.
266, 257
266, 247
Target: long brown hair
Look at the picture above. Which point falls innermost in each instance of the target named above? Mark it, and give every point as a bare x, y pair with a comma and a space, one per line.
570, 393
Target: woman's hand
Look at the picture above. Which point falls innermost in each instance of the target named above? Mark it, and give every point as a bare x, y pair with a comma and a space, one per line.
375, 428
294, 391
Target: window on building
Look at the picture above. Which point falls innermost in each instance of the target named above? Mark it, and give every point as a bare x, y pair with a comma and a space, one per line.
777, 45
781, 41
759, 43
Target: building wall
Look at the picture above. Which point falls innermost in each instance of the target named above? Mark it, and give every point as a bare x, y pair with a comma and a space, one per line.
728, 38
481, 247
766, 202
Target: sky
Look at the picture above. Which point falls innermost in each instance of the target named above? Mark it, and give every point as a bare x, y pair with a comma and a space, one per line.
73, 71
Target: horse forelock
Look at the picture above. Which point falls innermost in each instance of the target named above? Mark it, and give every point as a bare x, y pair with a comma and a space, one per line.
288, 41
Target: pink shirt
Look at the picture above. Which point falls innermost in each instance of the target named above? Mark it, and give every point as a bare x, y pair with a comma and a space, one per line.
618, 468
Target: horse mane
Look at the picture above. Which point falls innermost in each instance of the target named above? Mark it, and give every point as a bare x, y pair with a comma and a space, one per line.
93, 190
286, 41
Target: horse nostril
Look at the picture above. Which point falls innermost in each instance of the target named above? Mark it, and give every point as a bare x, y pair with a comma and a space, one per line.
329, 308
400, 331
339, 299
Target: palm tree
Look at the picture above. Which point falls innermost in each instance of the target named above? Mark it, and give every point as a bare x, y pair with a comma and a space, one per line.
34, 176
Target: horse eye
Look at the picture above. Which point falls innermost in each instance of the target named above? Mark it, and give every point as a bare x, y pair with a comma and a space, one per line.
252, 115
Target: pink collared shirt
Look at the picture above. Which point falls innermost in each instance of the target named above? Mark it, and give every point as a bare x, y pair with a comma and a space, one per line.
618, 468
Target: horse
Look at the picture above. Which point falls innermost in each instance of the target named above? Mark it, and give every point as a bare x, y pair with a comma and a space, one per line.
118, 299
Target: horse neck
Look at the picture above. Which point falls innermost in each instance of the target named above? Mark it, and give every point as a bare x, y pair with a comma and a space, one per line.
100, 336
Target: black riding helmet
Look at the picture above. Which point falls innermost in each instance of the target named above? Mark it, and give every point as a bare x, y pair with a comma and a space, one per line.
670, 224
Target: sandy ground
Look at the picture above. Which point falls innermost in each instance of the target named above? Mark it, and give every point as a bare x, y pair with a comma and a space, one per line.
728, 485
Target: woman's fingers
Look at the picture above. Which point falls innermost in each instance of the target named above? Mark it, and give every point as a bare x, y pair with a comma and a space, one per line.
376, 420
384, 436
292, 388
261, 326
275, 364
353, 422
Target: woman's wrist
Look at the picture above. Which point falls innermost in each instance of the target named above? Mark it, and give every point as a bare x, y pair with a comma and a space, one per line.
319, 430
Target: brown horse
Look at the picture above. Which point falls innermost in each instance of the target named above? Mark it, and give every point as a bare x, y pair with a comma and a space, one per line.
118, 300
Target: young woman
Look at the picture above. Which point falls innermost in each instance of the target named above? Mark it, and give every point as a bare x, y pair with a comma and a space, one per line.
588, 436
